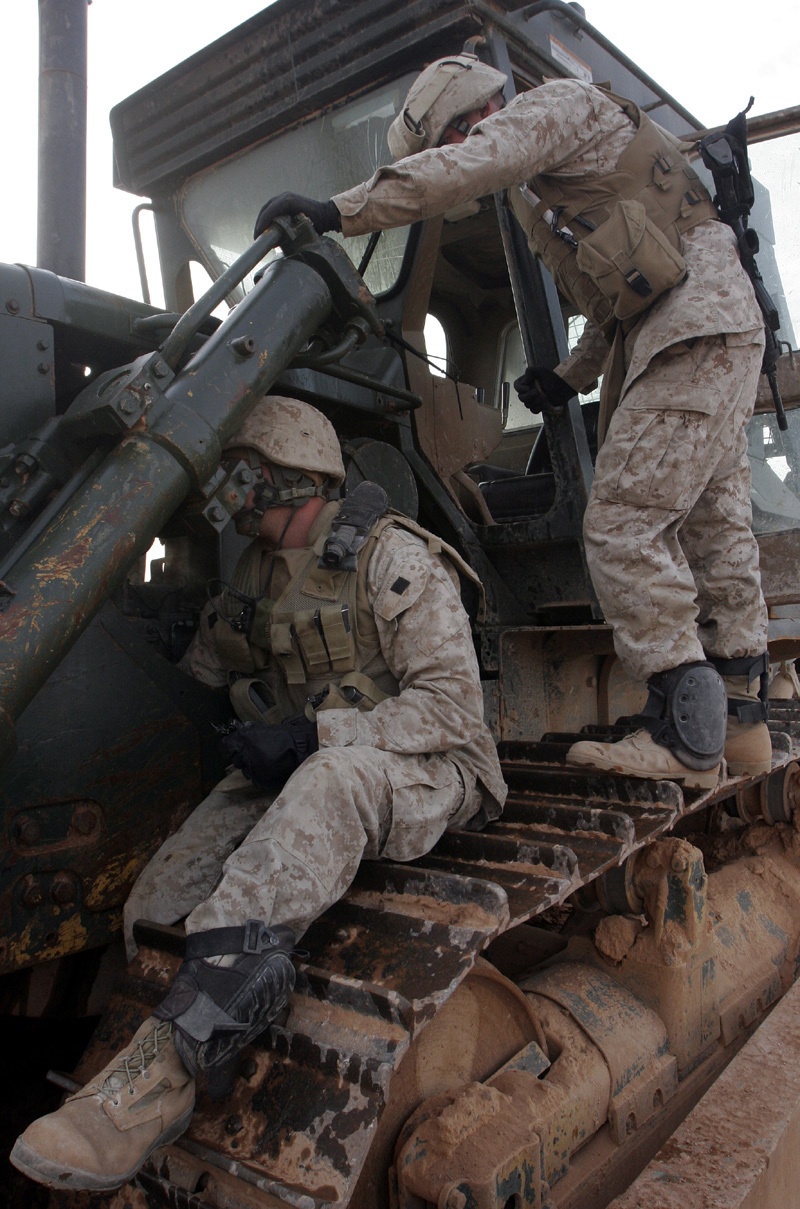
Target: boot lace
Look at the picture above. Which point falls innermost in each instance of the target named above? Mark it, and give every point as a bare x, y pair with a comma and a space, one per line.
128, 1067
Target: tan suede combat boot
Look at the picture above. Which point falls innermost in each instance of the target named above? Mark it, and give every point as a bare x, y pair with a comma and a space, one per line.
681, 735
748, 747
638, 755
101, 1136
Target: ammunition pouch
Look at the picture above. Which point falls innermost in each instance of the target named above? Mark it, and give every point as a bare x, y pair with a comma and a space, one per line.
749, 666
686, 712
614, 242
630, 260
314, 643
218, 1010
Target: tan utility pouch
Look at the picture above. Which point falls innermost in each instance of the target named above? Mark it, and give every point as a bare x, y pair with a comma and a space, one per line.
320, 641
631, 261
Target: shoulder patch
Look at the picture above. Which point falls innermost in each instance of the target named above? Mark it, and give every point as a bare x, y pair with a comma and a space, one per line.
399, 593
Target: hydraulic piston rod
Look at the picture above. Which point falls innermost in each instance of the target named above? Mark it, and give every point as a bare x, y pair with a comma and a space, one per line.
174, 428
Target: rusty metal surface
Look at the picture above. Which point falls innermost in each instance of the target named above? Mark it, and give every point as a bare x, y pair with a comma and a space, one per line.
284, 72
80, 826
611, 1015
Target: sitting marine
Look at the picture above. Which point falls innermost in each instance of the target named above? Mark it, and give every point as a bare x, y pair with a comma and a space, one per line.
360, 734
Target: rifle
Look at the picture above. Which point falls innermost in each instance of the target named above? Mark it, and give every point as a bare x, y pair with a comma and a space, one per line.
725, 155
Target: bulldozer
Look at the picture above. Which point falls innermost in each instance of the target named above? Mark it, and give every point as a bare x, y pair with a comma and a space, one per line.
522, 1018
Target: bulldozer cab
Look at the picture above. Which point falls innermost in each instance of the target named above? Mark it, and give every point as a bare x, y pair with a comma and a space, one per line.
487, 963
466, 303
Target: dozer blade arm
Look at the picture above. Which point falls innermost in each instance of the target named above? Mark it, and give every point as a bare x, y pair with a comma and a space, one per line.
169, 424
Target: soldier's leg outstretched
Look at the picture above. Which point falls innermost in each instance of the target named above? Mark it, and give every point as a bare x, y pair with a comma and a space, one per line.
342, 804
187, 867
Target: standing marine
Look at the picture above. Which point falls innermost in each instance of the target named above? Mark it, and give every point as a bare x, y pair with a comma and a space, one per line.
612, 206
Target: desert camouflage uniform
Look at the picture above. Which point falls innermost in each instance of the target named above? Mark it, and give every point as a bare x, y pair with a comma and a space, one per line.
669, 516
384, 783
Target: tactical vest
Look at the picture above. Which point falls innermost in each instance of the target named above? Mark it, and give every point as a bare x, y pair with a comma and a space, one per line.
320, 631
625, 227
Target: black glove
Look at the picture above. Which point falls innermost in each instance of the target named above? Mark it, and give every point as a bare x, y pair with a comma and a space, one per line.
324, 215
540, 386
269, 754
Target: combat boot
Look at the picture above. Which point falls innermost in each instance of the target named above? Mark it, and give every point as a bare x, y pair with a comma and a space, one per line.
748, 746
784, 685
638, 755
681, 735
100, 1137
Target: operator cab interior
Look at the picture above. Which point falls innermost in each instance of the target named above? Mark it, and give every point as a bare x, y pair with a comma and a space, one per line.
472, 300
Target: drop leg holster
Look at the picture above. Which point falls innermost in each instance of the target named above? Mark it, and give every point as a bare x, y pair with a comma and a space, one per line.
749, 666
686, 712
217, 1010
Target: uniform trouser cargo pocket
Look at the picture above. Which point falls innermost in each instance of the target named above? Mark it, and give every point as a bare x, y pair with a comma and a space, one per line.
424, 799
674, 424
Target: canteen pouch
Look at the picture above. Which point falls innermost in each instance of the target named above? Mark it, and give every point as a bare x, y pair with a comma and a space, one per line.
631, 261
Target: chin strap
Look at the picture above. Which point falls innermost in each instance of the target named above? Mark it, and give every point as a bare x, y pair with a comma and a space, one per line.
289, 487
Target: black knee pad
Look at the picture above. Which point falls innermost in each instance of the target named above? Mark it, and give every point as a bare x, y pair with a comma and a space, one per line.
686, 711
217, 1010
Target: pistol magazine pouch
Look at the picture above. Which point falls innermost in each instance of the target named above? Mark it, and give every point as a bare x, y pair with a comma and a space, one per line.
686, 711
217, 1010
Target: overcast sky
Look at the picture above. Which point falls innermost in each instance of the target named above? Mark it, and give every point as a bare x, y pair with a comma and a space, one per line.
710, 55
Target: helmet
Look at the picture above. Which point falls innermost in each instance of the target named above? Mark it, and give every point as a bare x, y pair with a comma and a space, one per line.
287, 432
440, 93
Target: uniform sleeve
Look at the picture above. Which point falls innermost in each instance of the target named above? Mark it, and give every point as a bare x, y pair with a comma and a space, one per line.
427, 643
582, 367
539, 131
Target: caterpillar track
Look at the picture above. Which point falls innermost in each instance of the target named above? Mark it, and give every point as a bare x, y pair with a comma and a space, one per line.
382, 963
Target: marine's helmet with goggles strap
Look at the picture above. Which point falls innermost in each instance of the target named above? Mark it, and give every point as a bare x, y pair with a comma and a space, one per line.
297, 442
440, 94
